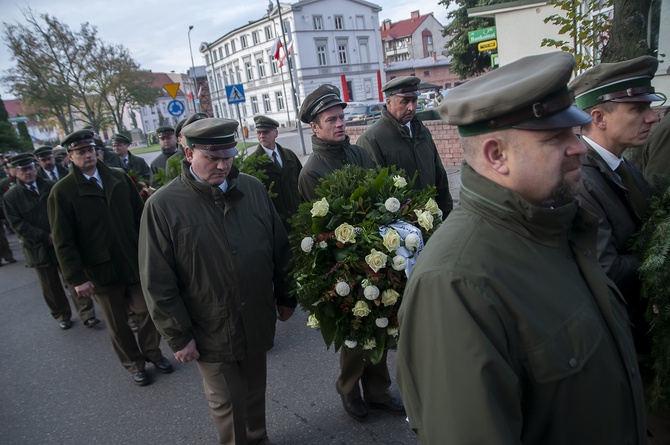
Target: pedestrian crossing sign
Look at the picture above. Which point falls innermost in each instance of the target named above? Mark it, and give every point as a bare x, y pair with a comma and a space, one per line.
235, 93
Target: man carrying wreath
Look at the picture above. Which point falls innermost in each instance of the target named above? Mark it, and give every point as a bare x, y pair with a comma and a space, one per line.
323, 110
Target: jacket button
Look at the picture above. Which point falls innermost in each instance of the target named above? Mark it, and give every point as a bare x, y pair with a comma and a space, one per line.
587, 252
573, 362
234, 252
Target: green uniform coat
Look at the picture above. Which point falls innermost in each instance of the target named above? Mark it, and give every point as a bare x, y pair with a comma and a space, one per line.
510, 332
284, 181
390, 144
327, 157
213, 266
655, 159
88, 250
139, 165
62, 172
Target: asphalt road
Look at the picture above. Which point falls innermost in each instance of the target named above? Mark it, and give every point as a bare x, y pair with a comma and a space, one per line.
67, 387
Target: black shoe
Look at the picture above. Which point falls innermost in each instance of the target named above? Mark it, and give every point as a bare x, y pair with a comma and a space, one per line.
163, 365
11, 260
355, 408
91, 322
64, 325
394, 406
141, 378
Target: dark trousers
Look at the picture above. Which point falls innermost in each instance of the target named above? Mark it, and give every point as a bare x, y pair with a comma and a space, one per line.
5, 251
132, 353
375, 379
236, 395
54, 296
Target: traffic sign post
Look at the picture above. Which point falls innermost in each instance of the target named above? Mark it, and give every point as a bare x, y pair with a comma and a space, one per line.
482, 35
239, 119
235, 93
487, 46
176, 108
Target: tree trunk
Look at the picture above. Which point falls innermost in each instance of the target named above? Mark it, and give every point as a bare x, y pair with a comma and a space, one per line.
628, 37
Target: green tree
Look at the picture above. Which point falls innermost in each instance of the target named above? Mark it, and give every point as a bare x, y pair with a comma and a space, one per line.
9, 141
24, 137
466, 60
629, 37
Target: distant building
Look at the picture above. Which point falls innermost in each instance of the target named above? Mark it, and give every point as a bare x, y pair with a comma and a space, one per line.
41, 131
435, 70
418, 37
333, 41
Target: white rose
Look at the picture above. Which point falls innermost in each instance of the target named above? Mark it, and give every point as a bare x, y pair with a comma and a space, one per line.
371, 292
392, 204
425, 219
370, 343
323, 244
412, 241
399, 262
306, 244
345, 233
312, 321
389, 297
382, 322
361, 309
399, 182
342, 289
376, 260
391, 240
351, 344
393, 332
431, 206
320, 207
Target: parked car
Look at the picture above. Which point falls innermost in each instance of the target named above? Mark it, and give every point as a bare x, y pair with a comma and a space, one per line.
363, 112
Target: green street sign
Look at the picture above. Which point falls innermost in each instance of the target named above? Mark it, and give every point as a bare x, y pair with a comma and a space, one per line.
494, 59
482, 35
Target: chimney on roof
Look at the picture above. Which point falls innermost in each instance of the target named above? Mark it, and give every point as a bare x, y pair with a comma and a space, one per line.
415, 14
386, 24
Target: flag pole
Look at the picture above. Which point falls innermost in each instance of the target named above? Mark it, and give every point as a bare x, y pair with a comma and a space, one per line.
293, 90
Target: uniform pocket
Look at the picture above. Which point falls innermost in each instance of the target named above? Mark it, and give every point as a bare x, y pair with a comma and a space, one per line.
567, 350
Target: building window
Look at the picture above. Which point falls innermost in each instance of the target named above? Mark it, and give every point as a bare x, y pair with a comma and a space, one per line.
279, 96
275, 65
318, 22
339, 22
266, 103
268, 33
363, 51
216, 111
260, 65
227, 48
243, 42
322, 53
287, 27
153, 110
216, 56
254, 105
249, 70
426, 73
360, 22
256, 37
342, 53
238, 72
220, 53
232, 46
206, 59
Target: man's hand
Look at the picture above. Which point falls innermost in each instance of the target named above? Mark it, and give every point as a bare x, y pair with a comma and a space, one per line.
284, 313
188, 354
84, 289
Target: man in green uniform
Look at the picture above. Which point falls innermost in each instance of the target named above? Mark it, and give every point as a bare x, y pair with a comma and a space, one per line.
6, 184
399, 138
94, 214
323, 110
282, 171
510, 331
168, 143
26, 211
120, 145
48, 168
213, 259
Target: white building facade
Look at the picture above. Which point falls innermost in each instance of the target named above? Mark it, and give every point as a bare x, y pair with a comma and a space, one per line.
333, 41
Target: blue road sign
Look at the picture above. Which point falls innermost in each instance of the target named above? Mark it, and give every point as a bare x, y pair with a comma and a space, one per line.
235, 93
176, 108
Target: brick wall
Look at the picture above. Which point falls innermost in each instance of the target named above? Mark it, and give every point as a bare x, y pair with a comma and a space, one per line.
445, 137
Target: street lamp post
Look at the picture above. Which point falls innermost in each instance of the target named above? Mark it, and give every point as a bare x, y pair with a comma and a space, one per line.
195, 83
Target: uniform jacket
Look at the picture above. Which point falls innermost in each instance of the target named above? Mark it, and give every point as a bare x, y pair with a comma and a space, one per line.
95, 231
139, 165
510, 332
62, 172
284, 181
655, 159
160, 161
390, 144
6, 184
327, 157
214, 265
27, 214
111, 159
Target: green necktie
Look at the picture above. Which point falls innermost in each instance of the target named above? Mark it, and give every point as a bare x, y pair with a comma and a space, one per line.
637, 198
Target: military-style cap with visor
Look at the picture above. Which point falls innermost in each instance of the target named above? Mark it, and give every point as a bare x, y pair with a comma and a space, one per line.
324, 97
265, 123
213, 135
120, 139
529, 94
405, 86
79, 139
44, 151
22, 160
626, 81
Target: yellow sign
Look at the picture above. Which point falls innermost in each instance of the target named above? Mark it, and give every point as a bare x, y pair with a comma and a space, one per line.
487, 46
172, 89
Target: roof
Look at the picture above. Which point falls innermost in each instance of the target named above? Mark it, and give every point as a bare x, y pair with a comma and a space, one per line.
161, 79
403, 28
14, 107
491, 10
